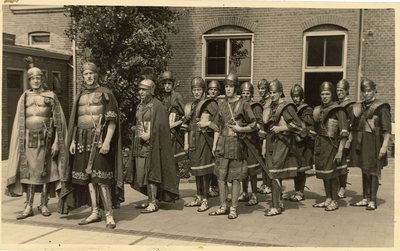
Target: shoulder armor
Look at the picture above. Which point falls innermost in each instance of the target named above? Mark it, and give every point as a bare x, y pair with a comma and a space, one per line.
107, 96
357, 109
301, 108
254, 105
332, 108
282, 106
375, 106
202, 104
188, 108
316, 112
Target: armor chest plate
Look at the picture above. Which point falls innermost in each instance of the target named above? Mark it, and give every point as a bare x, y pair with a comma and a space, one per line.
329, 128
37, 111
368, 125
90, 106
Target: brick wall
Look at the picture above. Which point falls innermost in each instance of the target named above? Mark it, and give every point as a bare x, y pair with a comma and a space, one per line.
278, 42
378, 61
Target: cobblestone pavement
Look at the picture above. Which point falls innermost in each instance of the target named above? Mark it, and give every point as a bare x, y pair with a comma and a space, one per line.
300, 225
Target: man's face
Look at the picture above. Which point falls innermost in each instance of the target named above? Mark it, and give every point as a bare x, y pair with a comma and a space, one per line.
144, 93
89, 77
262, 91
341, 93
326, 97
213, 92
275, 95
168, 86
229, 90
246, 95
197, 93
35, 82
296, 99
368, 93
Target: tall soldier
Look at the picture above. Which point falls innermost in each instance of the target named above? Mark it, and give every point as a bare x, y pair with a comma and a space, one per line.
263, 89
198, 141
332, 132
283, 157
372, 128
151, 168
37, 146
174, 105
234, 118
305, 146
95, 164
214, 89
342, 91
247, 92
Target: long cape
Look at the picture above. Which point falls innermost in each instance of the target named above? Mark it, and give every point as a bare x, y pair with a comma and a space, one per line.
17, 143
67, 198
161, 156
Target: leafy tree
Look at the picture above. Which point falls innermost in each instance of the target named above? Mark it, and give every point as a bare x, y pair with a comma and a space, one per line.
123, 40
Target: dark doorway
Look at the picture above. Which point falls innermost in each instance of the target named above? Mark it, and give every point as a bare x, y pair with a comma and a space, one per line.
15, 88
313, 81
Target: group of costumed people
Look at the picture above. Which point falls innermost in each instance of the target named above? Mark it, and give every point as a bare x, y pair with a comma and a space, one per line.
227, 141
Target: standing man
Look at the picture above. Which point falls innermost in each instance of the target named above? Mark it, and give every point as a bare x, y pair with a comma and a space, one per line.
247, 92
342, 91
214, 89
332, 132
37, 145
95, 165
198, 141
174, 105
372, 128
234, 117
283, 122
151, 167
304, 145
265, 101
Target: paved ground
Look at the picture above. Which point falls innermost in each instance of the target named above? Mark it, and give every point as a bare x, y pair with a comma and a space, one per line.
175, 225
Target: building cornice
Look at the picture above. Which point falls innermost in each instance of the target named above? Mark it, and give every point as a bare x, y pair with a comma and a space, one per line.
36, 52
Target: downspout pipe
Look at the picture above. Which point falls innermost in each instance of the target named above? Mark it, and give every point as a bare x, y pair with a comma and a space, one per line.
360, 55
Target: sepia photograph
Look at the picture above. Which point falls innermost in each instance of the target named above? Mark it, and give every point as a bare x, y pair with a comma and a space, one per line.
184, 125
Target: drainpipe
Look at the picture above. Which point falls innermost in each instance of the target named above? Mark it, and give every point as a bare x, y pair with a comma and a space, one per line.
360, 50
74, 68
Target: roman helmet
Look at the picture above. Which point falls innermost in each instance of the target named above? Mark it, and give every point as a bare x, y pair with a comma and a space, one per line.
198, 82
89, 66
367, 83
263, 83
147, 84
231, 78
344, 84
247, 86
297, 90
35, 71
214, 84
276, 85
167, 76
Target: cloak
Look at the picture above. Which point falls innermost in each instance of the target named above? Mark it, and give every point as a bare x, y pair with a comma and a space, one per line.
16, 164
68, 199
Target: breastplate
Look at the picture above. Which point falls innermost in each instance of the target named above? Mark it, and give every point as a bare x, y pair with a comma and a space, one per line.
90, 106
37, 111
329, 129
370, 126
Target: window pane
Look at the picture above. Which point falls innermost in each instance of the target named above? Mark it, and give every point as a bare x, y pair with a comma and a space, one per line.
216, 48
315, 51
42, 39
216, 66
240, 56
14, 79
334, 50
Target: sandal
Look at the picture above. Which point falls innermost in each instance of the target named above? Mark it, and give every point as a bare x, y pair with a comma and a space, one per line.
94, 217
150, 209
195, 203
110, 223
203, 207
298, 196
220, 211
243, 197
264, 189
252, 202
232, 214
362, 203
213, 192
342, 193
332, 206
323, 204
142, 206
371, 206
273, 211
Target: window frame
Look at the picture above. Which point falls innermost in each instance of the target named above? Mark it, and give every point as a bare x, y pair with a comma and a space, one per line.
41, 33
25, 84
206, 37
316, 69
